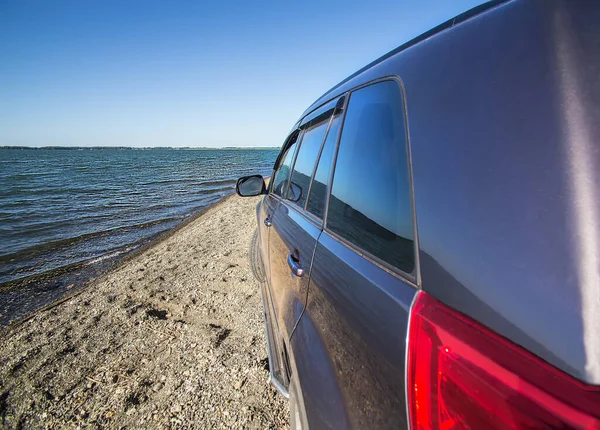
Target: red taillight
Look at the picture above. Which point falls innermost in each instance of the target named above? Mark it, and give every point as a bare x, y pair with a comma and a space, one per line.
461, 375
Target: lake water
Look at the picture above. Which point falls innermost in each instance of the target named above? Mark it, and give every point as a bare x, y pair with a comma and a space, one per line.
66, 209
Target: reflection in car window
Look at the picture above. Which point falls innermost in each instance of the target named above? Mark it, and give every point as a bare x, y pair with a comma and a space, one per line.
318, 191
305, 161
281, 176
370, 203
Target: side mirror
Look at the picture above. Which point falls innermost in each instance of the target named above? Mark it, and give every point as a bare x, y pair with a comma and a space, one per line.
294, 192
250, 186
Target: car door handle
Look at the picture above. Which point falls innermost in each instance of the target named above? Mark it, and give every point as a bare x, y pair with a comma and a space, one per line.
294, 264
268, 222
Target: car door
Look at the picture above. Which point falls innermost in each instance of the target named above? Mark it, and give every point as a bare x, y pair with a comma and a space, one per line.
349, 346
281, 171
294, 231
277, 185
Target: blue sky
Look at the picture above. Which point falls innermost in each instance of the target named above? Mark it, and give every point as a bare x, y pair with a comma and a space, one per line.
186, 73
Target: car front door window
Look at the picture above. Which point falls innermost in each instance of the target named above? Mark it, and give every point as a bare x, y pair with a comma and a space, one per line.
282, 173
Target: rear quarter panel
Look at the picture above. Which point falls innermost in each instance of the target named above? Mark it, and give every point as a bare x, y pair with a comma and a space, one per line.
350, 343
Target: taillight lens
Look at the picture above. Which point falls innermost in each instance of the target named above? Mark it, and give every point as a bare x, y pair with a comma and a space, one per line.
461, 375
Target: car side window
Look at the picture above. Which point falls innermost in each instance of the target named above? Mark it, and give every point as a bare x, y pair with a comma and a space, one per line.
306, 160
370, 203
282, 172
318, 190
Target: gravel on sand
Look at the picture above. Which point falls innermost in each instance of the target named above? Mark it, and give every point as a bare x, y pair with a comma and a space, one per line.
173, 338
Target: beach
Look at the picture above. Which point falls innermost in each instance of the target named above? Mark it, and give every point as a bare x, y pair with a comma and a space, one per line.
172, 338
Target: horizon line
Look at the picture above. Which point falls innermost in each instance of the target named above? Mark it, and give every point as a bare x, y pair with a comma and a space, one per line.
135, 147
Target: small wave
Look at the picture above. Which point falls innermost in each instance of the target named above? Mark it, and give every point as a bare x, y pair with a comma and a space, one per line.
218, 182
42, 248
212, 190
110, 255
169, 181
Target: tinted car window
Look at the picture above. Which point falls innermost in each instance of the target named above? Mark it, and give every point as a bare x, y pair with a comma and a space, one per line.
370, 204
305, 161
282, 174
318, 191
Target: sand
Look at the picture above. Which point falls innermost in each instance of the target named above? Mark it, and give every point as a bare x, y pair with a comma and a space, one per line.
173, 338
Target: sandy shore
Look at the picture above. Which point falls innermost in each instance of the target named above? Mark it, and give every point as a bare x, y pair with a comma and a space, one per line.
173, 338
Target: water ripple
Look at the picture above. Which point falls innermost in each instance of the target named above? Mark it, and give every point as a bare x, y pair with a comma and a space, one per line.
63, 207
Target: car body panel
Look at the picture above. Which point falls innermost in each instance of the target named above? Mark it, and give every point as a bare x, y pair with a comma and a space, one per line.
290, 233
275, 339
323, 399
502, 113
277, 370
353, 335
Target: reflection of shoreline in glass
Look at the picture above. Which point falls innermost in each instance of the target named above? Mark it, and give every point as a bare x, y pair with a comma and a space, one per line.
306, 160
370, 203
318, 191
365, 233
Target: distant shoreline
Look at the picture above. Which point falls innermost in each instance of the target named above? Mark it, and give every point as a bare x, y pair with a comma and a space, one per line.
145, 148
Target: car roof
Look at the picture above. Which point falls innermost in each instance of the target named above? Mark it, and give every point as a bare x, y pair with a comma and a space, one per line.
329, 94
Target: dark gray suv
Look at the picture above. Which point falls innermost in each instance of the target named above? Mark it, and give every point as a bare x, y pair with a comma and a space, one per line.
430, 236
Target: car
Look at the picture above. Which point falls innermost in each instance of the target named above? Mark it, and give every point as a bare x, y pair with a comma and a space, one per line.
430, 235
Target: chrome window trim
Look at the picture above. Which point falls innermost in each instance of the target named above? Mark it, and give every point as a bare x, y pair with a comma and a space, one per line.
392, 270
406, 346
412, 279
317, 222
416, 245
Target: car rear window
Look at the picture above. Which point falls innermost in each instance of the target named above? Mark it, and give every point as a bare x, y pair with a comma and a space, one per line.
370, 203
